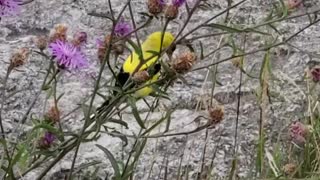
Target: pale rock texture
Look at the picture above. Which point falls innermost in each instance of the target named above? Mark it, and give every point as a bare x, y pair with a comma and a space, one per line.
287, 87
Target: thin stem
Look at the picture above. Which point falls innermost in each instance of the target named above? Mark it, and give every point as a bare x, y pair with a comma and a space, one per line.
87, 116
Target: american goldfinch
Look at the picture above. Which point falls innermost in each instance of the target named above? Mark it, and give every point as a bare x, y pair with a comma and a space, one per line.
149, 48
148, 62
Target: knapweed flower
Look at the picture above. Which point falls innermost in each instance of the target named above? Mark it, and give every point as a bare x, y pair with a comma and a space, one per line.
122, 28
141, 76
156, 6
178, 3
53, 115
80, 38
59, 33
294, 3
19, 58
289, 169
9, 7
298, 132
41, 42
184, 62
47, 140
315, 74
216, 114
67, 55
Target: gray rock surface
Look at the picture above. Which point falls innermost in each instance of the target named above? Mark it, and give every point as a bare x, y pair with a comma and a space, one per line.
287, 88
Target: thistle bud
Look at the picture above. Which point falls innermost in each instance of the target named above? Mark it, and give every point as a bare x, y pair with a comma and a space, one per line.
171, 12
19, 58
184, 62
289, 169
59, 33
41, 42
216, 114
155, 6
141, 76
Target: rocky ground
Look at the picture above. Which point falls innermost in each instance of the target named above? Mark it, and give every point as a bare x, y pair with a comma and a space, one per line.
287, 87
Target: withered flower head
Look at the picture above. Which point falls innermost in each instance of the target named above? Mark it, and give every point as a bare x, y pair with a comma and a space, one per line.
79, 38
289, 168
53, 115
59, 33
141, 76
41, 42
294, 3
184, 62
19, 58
155, 6
298, 132
171, 12
315, 73
216, 114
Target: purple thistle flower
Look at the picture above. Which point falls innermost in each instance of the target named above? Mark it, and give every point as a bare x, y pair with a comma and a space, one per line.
122, 28
67, 55
9, 7
162, 2
178, 3
49, 138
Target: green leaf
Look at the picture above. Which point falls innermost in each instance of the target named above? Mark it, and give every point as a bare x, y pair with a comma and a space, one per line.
50, 129
121, 136
112, 160
132, 103
118, 121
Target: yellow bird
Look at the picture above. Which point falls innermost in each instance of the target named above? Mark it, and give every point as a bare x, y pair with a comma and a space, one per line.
149, 47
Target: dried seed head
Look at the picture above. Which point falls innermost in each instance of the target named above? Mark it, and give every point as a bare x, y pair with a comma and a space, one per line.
237, 62
298, 133
315, 74
216, 114
79, 38
155, 6
184, 62
118, 48
289, 168
294, 3
59, 33
171, 12
19, 58
41, 42
53, 115
141, 76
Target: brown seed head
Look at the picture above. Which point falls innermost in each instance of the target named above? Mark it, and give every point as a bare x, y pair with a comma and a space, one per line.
216, 114
59, 33
184, 62
237, 62
53, 115
155, 7
141, 76
289, 168
41, 42
171, 12
19, 58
